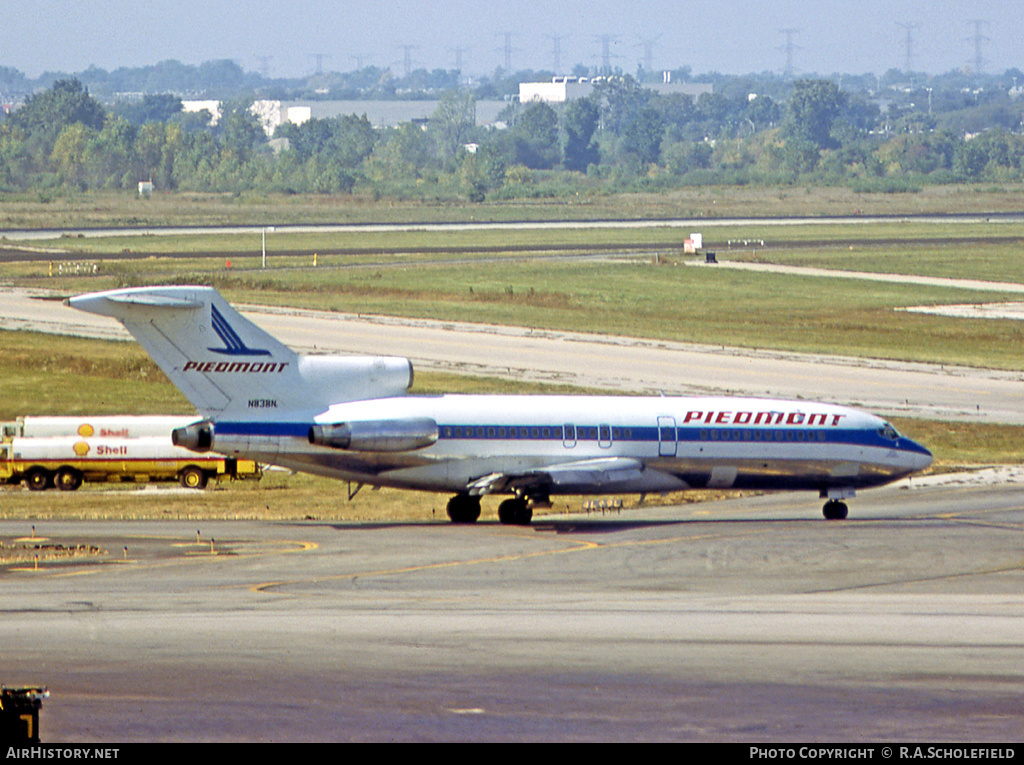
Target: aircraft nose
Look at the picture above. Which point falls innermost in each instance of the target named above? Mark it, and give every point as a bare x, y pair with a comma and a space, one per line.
917, 457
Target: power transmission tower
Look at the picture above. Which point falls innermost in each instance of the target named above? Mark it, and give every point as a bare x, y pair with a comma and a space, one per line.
458, 56
407, 58
556, 51
647, 43
789, 49
508, 52
978, 38
319, 58
908, 42
606, 52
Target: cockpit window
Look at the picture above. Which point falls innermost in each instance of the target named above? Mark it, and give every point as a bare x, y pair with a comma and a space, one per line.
888, 431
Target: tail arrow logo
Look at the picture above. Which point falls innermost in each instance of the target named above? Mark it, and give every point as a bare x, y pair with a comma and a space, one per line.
234, 344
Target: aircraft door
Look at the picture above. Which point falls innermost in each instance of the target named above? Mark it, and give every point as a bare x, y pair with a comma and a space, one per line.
569, 435
667, 436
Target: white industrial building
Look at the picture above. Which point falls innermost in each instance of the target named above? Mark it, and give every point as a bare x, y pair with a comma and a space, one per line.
562, 89
381, 114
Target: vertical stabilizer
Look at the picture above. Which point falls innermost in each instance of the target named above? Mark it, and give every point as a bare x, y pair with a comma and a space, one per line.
227, 366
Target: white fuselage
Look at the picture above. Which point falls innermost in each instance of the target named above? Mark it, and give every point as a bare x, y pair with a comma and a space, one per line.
621, 444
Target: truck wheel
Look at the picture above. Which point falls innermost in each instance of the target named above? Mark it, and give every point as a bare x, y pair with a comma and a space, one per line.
37, 479
192, 477
67, 479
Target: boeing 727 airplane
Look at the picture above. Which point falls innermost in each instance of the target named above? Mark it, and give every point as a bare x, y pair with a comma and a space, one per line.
352, 418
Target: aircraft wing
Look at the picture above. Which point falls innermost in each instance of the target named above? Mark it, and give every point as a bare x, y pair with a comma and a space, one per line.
593, 476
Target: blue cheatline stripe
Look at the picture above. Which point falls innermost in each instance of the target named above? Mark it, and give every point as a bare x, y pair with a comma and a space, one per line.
589, 433
294, 429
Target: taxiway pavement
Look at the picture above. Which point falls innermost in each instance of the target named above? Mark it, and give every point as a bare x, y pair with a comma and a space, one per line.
744, 620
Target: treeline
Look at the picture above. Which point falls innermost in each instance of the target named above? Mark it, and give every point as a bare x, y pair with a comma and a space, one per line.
622, 137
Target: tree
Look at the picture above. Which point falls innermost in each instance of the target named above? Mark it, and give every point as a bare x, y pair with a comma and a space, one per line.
453, 121
110, 156
69, 153
240, 131
812, 110
404, 151
623, 99
348, 139
46, 114
580, 121
642, 135
536, 137
152, 108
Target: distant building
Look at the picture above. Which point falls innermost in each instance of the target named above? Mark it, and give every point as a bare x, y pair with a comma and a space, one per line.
562, 89
381, 114
194, 107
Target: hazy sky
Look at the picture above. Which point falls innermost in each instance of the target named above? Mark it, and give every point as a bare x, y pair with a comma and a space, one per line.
737, 36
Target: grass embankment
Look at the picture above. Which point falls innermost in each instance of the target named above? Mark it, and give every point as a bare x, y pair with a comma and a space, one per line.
105, 209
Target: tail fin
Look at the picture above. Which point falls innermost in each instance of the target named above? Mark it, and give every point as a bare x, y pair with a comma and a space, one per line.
226, 365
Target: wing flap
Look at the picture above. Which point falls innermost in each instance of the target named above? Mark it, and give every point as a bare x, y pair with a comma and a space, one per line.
604, 475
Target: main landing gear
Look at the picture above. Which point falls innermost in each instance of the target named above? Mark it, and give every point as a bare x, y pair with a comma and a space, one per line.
463, 508
835, 510
515, 512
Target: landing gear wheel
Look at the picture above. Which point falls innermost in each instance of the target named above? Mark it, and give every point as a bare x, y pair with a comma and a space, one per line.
515, 512
67, 479
37, 479
835, 510
192, 477
463, 508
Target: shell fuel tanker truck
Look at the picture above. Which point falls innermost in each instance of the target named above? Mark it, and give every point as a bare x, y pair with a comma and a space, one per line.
64, 452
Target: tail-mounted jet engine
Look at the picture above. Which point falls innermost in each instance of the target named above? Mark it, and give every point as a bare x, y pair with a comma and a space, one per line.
198, 436
377, 435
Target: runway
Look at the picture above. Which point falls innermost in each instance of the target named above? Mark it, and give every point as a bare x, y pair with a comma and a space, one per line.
606, 362
743, 620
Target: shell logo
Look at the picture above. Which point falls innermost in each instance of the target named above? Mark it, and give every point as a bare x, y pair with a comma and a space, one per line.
81, 448
85, 430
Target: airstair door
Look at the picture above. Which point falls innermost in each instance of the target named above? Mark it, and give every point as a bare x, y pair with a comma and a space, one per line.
667, 436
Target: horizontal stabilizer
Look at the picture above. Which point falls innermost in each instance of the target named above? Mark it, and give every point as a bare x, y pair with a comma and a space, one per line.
154, 299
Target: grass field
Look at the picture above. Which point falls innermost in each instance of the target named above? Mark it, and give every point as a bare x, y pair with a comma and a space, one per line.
98, 209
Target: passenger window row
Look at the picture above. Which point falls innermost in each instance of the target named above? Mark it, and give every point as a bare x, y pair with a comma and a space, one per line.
558, 432
762, 435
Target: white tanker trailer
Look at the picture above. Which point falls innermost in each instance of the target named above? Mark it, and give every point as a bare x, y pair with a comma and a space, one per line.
104, 426
66, 461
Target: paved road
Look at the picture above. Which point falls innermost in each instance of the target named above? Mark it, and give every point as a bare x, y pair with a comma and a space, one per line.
748, 620
613, 363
